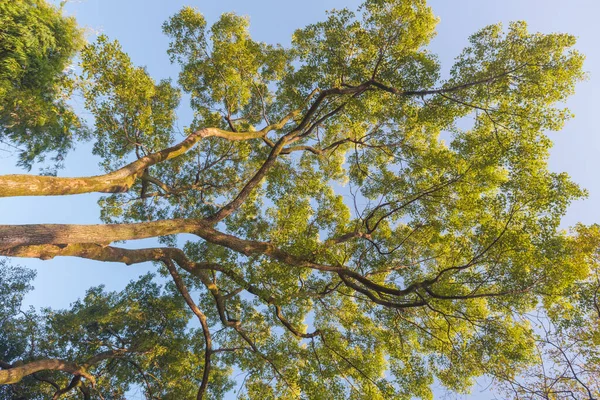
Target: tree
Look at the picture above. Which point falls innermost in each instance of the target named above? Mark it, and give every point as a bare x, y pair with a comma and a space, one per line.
343, 248
37, 43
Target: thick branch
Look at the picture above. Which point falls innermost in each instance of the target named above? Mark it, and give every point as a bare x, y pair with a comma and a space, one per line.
12, 236
16, 373
21, 240
114, 182
72, 385
47, 241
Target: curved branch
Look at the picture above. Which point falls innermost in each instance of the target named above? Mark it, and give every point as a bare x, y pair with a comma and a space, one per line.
50, 382
122, 179
291, 328
18, 372
47, 241
72, 385
229, 208
117, 181
203, 323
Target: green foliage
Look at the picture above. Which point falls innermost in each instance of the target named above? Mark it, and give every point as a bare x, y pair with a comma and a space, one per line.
37, 44
430, 200
568, 337
387, 41
14, 283
132, 113
224, 69
147, 322
485, 200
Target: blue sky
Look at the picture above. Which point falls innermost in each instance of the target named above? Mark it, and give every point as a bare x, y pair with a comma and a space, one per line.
137, 25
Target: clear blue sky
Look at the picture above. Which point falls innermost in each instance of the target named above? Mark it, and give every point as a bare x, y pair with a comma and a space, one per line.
137, 25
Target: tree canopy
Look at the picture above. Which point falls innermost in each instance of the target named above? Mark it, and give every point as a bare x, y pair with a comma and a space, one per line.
363, 227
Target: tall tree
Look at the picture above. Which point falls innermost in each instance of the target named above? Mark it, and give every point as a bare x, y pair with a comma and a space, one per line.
356, 237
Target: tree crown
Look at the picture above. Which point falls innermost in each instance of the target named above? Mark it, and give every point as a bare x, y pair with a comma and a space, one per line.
364, 227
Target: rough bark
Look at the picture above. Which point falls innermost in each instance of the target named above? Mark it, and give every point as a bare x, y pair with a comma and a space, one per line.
18, 372
12, 236
47, 240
